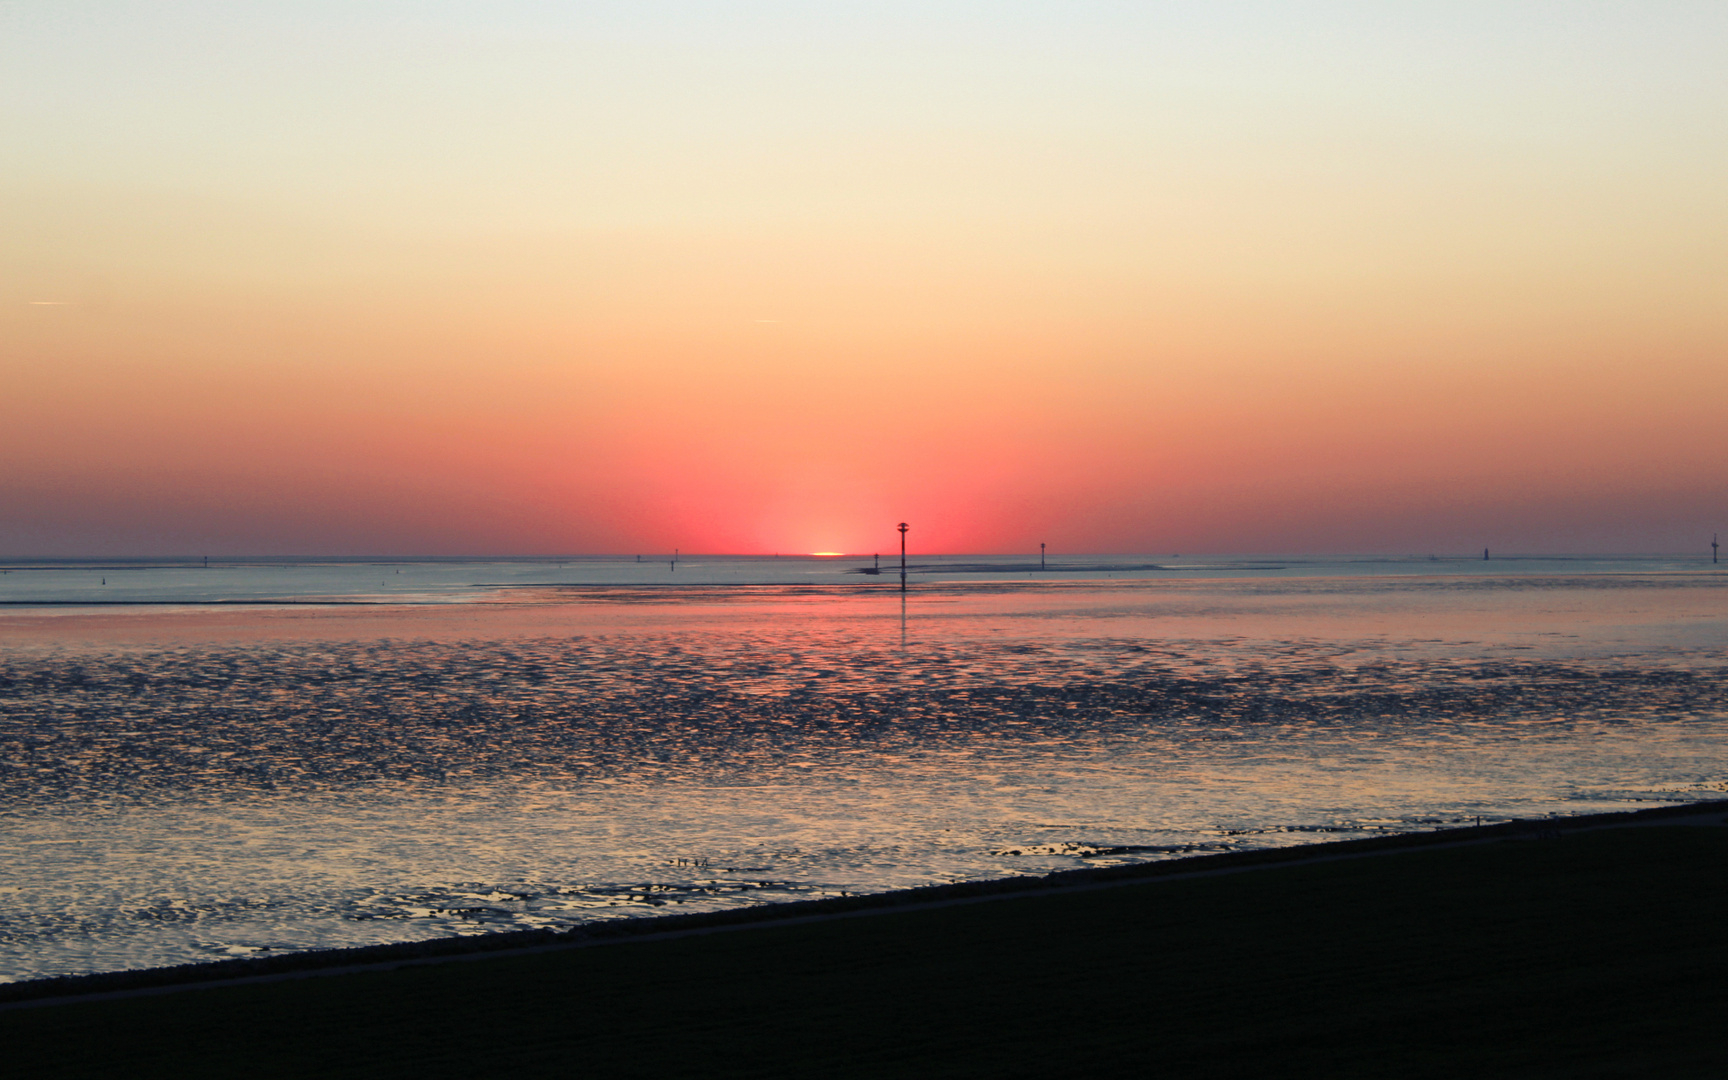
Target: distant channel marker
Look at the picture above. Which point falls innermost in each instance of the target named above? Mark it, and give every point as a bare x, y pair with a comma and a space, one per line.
903, 527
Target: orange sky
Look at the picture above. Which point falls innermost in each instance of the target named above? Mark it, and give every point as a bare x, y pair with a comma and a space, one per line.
496, 279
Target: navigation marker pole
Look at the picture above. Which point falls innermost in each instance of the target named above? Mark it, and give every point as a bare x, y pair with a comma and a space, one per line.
903, 528
1713, 546
1040, 556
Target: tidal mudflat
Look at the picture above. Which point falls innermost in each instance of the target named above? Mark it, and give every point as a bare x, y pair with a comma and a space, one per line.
182, 783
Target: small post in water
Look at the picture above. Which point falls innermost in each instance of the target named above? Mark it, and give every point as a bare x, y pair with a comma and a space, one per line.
903, 528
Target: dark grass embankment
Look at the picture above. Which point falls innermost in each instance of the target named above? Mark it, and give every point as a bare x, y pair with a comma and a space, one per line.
1588, 954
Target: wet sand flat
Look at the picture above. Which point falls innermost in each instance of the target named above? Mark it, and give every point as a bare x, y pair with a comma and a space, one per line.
186, 784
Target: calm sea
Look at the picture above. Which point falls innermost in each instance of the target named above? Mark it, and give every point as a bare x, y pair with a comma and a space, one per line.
279, 755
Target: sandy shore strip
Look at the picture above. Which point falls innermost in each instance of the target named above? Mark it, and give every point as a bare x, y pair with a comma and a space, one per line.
1587, 951
315, 963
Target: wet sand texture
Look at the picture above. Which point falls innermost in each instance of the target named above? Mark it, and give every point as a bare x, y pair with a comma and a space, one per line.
78, 729
169, 805
1581, 955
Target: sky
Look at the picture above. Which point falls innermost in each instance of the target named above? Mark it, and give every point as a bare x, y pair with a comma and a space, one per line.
518, 277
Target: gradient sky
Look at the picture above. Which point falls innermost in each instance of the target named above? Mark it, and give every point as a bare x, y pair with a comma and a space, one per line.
516, 278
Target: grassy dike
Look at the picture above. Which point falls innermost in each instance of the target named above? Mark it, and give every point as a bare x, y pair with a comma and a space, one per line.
1597, 953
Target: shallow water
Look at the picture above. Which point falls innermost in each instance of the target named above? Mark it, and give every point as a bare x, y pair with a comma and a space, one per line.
181, 783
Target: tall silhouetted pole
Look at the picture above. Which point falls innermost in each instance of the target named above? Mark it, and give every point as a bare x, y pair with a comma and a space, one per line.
1484, 554
1713, 547
1040, 556
903, 528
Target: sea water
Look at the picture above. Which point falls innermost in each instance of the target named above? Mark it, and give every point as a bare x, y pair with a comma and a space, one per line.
273, 756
